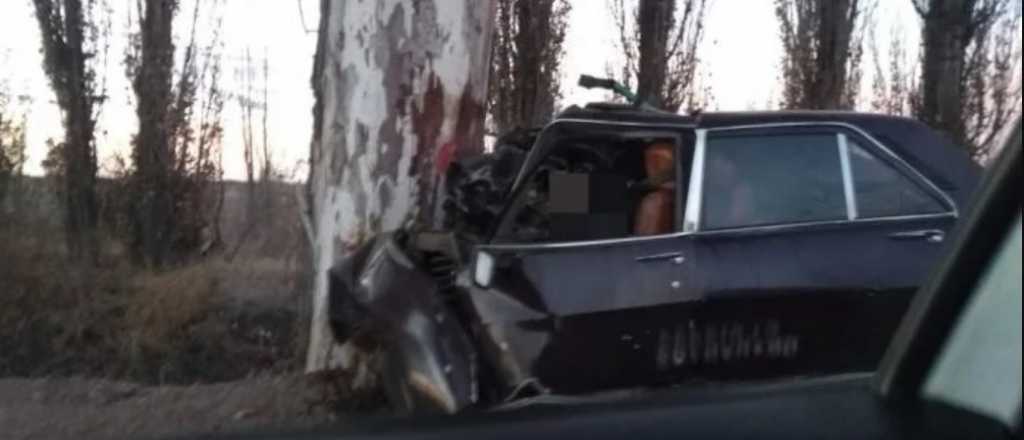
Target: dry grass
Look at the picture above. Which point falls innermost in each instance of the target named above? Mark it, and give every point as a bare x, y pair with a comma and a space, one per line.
59, 318
208, 321
163, 303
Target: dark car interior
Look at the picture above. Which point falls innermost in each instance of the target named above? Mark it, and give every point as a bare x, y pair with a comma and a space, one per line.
595, 187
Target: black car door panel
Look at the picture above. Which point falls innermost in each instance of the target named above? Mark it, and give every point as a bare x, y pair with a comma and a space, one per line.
602, 303
834, 283
589, 279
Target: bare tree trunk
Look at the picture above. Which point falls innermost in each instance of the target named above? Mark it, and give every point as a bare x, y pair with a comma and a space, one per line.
79, 156
525, 64
659, 41
821, 52
154, 222
655, 19
950, 94
835, 33
945, 39
400, 87
62, 26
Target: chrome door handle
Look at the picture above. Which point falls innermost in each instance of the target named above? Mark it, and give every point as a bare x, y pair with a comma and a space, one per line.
930, 235
675, 257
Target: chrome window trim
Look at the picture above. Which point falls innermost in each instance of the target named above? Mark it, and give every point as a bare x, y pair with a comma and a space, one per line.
575, 244
951, 206
544, 132
717, 232
848, 191
626, 123
859, 221
695, 192
701, 142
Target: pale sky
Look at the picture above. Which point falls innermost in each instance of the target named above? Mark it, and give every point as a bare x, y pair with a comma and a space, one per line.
740, 57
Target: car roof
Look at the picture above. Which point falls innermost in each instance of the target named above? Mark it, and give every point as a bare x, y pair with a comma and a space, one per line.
613, 112
946, 165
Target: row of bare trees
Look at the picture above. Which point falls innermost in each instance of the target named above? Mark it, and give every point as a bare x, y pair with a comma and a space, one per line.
822, 51
526, 59
659, 42
966, 82
657, 39
970, 69
169, 189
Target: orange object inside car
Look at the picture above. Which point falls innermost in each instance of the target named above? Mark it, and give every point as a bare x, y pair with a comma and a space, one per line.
654, 212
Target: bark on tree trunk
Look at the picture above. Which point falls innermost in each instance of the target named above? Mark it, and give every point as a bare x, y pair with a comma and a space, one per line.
835, 28
822, 52
536, 103
400, 87
945, 39
80, 161
525, 63
62, 28
655, 21
154, 204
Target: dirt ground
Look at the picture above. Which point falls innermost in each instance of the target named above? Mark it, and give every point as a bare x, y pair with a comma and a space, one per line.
96, 409
243, 342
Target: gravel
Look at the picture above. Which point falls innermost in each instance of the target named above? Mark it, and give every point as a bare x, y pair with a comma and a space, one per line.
99, 409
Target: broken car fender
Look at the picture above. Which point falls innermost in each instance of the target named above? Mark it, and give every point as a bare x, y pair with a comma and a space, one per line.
380, 300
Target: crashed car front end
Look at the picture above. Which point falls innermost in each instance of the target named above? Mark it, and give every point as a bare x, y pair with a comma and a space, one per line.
545, 287
381, 299
446, 342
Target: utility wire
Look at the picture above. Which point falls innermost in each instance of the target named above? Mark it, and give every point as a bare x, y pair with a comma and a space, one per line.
302, 19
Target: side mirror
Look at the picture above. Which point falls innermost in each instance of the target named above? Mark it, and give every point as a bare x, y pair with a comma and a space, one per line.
483, 269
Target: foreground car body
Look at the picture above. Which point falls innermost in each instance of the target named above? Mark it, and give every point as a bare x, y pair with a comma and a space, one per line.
792, 247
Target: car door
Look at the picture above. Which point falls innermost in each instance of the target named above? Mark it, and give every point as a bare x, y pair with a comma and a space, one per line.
604, 304
599, 303
813, 238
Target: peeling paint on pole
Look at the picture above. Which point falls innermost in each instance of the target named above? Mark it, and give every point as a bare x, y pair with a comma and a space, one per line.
400, 89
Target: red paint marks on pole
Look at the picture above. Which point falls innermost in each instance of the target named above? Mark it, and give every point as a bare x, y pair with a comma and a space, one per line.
445, 155
427, 120
469, 127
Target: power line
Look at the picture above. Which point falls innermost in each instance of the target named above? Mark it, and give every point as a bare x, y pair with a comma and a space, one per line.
302, 19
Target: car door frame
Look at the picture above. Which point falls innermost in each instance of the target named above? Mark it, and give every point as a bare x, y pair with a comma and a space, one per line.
638, 131
772, 312
692, 218
925, 224
673, 263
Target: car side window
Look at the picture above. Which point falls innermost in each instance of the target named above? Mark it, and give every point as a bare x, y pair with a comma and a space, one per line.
882, 191
772, 179
601, 189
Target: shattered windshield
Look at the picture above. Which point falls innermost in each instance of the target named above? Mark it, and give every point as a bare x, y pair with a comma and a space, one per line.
239, 215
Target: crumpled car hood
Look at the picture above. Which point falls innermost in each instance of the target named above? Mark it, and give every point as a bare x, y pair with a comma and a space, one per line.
380, 300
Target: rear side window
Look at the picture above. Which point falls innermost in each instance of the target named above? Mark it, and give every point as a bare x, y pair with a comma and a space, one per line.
772, 179
882, 191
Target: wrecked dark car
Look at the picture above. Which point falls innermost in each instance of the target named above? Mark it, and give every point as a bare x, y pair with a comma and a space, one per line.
625, 250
